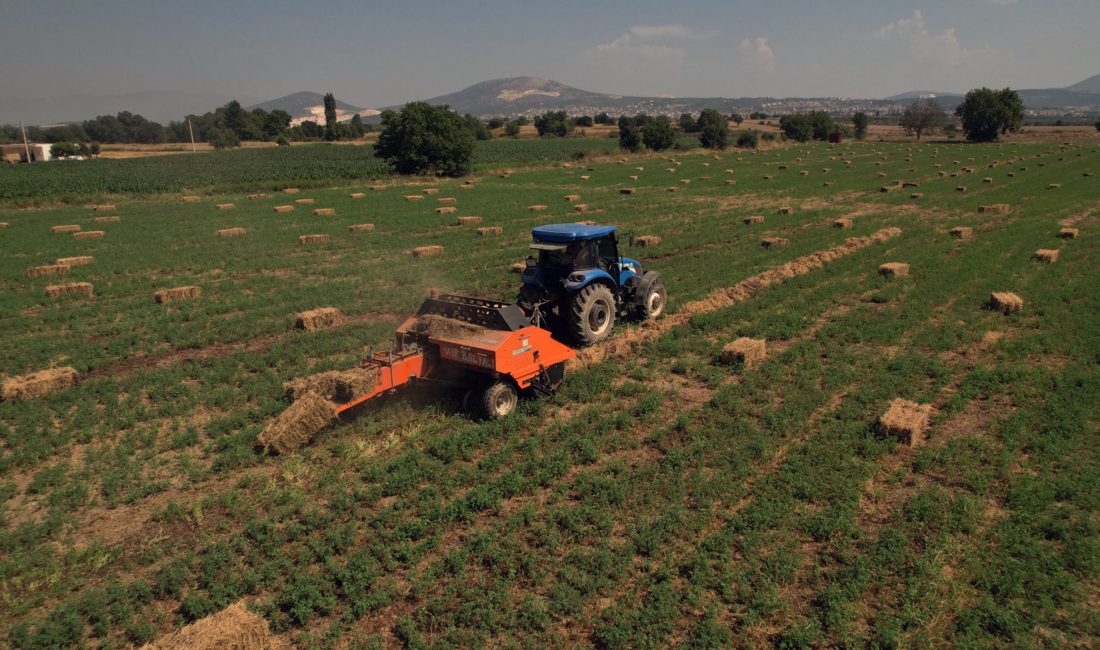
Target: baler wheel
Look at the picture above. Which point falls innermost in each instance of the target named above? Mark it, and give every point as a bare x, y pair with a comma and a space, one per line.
498, 400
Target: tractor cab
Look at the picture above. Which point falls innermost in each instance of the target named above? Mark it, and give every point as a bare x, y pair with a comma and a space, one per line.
578, 276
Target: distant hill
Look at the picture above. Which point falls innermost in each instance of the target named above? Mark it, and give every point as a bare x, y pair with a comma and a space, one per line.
311, 106
1090, 85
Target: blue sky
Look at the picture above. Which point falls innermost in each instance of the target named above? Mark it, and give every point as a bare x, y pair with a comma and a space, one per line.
374, 54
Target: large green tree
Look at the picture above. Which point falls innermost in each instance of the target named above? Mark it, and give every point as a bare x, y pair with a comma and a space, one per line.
630, 136
714, 131
425, 139
554, 124
859, 125
986, 113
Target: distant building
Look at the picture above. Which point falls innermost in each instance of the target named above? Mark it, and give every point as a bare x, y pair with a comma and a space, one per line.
17, 153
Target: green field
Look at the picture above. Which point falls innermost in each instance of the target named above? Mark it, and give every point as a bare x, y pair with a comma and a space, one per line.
313, 165
660, 498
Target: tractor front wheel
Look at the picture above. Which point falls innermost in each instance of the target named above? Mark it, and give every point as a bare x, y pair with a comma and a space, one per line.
592, 314
498, 400
654, 303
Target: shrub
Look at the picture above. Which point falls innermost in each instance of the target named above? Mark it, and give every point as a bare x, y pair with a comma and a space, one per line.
922, 116
630, 136
714, 132
859, 125
659, 134
223, 139
554, 124
512, 129
748, 139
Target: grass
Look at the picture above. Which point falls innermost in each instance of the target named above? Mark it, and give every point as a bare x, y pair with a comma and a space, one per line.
665, 498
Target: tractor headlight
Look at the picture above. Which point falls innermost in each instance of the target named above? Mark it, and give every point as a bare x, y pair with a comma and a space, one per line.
576, 277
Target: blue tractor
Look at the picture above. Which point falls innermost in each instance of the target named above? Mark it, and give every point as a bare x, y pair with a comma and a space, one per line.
579, 283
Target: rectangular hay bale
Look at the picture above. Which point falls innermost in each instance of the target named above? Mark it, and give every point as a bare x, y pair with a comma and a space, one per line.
427, 251
324, 212
361, 227
773, 242
447, 209
306, 201
70, 288
297, 425
313, 239
320, 318
282, 209
843, 222
1048, 255
1068, 233
906, 421
756, 218
176, 294
110, 219
231, 232
69, 227
490, 230
226, 206
746, 351
104, 208
37, 384
257, 197
89, 234
79, 260
1005, 302
47, 269
894, 268
468, 221
647, 241
961, 232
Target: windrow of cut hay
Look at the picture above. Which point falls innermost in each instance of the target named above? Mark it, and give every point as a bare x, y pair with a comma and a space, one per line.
334, 385
176, 294
79, 260
233, 628
627, 342
320, 318
37, 384
297, 425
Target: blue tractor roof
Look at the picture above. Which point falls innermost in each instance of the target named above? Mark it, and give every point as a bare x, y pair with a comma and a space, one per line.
563, 233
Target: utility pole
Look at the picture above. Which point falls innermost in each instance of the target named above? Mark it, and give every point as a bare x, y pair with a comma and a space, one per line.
26, 146
192, 132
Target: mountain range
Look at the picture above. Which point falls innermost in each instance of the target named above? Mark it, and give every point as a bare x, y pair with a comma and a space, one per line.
507, 97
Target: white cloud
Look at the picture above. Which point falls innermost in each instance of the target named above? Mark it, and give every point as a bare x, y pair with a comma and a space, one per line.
757, 52
943, 48
644, 47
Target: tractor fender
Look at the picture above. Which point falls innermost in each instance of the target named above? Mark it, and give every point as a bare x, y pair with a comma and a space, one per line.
641, 288
587, 278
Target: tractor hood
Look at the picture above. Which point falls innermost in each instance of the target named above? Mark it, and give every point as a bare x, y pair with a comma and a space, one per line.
564, 233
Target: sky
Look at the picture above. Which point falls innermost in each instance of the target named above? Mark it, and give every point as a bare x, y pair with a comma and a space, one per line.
383, 53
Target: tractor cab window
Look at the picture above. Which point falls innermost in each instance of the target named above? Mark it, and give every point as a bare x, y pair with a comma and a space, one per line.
609, 251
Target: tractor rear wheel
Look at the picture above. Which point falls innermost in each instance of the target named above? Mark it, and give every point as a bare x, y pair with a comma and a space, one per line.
654, 303
592, 314
498, 400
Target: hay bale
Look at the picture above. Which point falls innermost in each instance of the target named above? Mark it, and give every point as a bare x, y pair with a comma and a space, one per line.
1048, 255
190, 198
320, 318
633, 178
827, 184
580, 207
1068, 233
673, 189
916, 195
647, 241
231, 232
1005, 302
80, 260
1054, 186
450, 209
414, 197
774, 242
1086, 174
447, 199
47, 269
468, 221
89, 234
70, 288
233, 628
537, 208
881, 174
376, 188
427, 251
894, 268
291, 190
104, 208
313, 239
685, 181
627, 190
910, 184
281, 209
907, 421
304, 201
336, 385
572, 197
4, 224
69, 227
431, 190
176, 294
994, 208
756, 218
843, 222
766, 177
804, 172
110, 219
37, 384
962, 232
987, 179
490, 230
357, 195
257, 197
226, 206
785, 210
324, 212
361, 227
746, 351
518, 267
585, 177
960, 188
